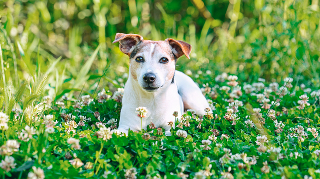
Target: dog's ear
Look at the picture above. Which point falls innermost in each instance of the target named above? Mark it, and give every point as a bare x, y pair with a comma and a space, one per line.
179, 47
127, 42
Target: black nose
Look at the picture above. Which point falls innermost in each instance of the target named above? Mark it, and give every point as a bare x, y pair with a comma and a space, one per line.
149, 77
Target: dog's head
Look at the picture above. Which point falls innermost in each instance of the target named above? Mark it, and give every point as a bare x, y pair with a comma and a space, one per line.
152, 63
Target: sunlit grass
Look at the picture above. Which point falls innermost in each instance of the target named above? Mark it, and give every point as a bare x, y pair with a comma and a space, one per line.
57, 56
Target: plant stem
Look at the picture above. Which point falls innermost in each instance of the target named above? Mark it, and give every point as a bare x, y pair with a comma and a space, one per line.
141, 124
97, 157
20, 175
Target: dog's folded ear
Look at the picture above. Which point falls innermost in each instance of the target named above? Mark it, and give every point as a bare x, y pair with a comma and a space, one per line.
127, 42
179, 47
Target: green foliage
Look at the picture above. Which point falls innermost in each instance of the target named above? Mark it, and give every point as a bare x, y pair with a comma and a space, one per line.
56, 55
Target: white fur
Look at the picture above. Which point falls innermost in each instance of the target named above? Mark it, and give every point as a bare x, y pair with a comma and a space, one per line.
162, 102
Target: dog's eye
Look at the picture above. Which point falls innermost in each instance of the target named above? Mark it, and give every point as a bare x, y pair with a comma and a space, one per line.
163, 60
139, 59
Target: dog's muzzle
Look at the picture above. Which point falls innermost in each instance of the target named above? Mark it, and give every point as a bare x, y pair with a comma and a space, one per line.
149, 79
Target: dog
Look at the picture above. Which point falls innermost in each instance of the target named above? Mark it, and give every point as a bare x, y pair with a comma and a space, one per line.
154, 83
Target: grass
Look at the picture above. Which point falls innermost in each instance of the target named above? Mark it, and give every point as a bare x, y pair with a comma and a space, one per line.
269, 131
54, 123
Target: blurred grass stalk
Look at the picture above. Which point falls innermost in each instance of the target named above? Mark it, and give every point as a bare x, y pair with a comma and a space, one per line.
234, 16
101, 21
6, 96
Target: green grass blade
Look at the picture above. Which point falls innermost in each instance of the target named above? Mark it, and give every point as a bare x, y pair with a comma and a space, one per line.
85, 69
68, 91
18, 97
53, 65
29, 100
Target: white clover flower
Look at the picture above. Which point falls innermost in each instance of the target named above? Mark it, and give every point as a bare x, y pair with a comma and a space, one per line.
48, 117
182, 133
74, 143
225, 88
256, 110
4, 118
206, 142
279, 124
142, 112
106, 173
37, 173
260, 96
274, 103
308, 90
47, 99
248, 88
23, 136
86, 99
303, 97
283, 90
224, 136
238, 103
258, 86
265, 100
200, 175
131, 173
104, 133
118, 95
49, 130
235, 157
3, 126
76, 162
112, 121
249, 122
261, 140
267, 91
230, 111
274, 86
288, 80
13, 144
226, 150
317, 152
315, 93
48, 121
30, 131
60, 104
8, 163
274, 149
212, 137
102, 96
232, 78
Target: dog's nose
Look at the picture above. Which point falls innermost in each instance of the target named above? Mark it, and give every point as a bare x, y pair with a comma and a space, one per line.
149, 77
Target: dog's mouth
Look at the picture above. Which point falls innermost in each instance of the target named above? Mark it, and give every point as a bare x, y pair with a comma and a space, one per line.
151, 88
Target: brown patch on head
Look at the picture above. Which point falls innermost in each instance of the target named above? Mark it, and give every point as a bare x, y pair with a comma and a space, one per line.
133, 70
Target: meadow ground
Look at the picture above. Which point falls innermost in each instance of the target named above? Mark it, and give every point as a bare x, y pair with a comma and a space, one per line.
257, 62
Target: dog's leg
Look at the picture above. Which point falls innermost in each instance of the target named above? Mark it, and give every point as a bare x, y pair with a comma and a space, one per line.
190, 93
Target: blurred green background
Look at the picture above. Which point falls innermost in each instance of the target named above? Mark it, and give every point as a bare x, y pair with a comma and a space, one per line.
64, 47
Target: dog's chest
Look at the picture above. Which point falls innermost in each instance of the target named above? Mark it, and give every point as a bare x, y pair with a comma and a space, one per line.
160, 107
